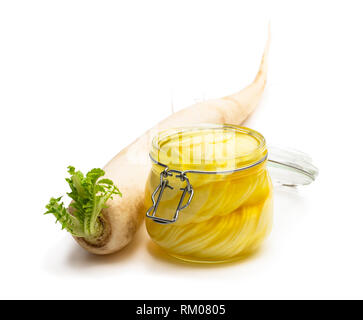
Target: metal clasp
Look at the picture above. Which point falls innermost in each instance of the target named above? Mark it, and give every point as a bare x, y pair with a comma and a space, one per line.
164, 183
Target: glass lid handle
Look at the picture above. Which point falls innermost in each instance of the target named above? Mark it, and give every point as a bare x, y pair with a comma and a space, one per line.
289, 167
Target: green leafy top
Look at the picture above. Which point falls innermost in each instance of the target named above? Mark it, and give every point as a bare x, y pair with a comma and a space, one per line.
89, 194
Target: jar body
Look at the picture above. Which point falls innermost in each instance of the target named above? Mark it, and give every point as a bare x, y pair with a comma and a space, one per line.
229, 217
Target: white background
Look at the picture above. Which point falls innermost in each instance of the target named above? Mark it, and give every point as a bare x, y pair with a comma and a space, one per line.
79, 80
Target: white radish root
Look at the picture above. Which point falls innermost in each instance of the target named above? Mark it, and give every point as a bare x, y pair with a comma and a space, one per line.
129, 169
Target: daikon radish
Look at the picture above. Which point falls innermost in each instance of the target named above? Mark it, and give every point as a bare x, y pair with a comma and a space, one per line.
116, 221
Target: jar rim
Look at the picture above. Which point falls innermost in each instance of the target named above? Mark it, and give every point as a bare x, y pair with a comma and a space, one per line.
252, 158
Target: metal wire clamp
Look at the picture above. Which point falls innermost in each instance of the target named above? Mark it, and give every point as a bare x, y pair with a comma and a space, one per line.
164, 183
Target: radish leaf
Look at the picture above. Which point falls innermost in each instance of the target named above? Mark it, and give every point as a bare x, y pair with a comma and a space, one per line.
89, 194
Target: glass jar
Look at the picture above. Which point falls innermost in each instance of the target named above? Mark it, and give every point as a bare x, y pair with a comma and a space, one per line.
209, 192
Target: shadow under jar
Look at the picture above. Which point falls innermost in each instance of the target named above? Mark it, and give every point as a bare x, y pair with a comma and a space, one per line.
209, 193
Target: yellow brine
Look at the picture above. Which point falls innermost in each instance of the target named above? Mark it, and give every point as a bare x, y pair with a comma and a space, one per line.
222, 170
